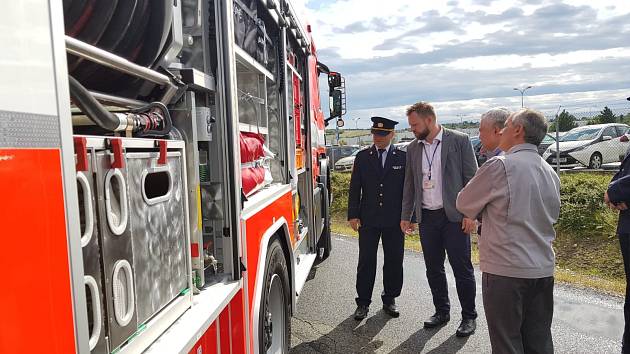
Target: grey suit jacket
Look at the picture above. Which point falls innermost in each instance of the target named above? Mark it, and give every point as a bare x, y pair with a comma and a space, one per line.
458, 167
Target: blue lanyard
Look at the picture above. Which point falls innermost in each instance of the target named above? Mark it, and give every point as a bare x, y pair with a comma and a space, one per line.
432, 157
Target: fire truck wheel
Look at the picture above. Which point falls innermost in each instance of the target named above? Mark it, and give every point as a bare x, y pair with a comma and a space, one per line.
275, 324
324, 245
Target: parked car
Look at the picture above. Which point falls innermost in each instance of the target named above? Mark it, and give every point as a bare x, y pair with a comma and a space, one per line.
346, 163
591, 146
476, 144
335, 153
548, 140
403, 145
625, 138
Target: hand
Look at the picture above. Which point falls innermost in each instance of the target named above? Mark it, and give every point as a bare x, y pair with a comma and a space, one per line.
468, 225
607, 201
407, 227
404, 225
355, 224
609, 204
620, 206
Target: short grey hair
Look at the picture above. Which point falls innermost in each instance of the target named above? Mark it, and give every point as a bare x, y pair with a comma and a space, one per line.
497, 116
534, 123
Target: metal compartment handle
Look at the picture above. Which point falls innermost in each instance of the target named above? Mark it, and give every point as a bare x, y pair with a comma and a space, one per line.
97, 318
124, 301
88, 208
162, 196
118, 225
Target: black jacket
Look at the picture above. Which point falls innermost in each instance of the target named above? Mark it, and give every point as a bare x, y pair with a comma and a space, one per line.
619, 192
375, 195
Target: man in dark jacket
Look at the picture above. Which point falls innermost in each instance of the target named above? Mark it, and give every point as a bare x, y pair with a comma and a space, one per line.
374, 206
617, 197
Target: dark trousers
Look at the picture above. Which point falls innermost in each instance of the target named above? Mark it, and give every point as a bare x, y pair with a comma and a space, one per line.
624, 242
439, 236
519, 314
393, 251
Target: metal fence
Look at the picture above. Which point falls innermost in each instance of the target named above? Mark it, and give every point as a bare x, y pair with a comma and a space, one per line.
579, 138
587, 138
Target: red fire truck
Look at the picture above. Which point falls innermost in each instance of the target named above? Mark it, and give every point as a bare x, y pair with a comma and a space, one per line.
164, 182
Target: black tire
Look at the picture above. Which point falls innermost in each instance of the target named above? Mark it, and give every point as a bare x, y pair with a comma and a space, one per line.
595, 161
275, 265
324, 245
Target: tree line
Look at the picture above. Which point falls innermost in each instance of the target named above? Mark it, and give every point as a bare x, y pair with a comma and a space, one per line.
568, 121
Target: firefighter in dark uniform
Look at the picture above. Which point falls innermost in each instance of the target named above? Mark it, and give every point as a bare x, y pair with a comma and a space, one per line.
374, 207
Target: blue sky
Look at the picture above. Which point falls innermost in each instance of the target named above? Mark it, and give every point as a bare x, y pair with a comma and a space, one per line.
466, 56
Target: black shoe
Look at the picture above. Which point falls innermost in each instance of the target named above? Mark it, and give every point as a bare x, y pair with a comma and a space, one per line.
391, 310
466, 328
361, 312
439, 319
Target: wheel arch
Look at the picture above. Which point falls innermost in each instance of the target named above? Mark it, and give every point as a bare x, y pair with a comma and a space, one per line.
280, 230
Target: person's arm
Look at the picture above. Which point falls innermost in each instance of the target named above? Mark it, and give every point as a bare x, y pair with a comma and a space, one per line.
619, 190
469, 161
482, 189
354, 193
616, 176
409, 191
619, 173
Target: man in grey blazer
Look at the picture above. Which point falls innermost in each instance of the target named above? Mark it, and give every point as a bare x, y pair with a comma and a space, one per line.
439, 164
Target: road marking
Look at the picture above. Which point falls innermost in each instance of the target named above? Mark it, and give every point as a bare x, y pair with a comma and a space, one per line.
344, 240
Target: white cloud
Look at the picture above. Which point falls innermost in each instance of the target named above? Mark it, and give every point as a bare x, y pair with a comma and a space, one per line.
584, 103
489, 63
567, 49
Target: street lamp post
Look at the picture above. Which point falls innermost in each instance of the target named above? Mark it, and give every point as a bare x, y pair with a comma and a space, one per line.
356, 123
522, 91
461, 121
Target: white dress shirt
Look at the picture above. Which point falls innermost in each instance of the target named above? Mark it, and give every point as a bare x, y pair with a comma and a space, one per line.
384, 158
432, 197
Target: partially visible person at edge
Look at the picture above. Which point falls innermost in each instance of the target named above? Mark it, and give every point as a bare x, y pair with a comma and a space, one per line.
439, 164
374, 204
518, 195
618, 197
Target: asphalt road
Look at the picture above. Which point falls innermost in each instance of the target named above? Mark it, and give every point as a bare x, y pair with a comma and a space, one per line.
584, 321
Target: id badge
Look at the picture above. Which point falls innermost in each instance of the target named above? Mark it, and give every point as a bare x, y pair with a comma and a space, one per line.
428, 184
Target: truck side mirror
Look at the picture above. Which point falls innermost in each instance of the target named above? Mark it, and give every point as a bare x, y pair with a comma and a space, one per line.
337, 93
336, 97
334, 80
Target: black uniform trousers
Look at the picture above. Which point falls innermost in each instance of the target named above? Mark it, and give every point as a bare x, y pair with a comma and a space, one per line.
393, 251
439, 236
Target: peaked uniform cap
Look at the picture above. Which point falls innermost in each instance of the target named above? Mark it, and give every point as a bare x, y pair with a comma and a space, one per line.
382, 126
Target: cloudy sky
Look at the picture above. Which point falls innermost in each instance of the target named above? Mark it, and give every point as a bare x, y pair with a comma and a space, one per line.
468, 55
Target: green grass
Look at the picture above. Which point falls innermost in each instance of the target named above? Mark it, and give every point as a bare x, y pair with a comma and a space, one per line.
340, 226
586, 246
350, 133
